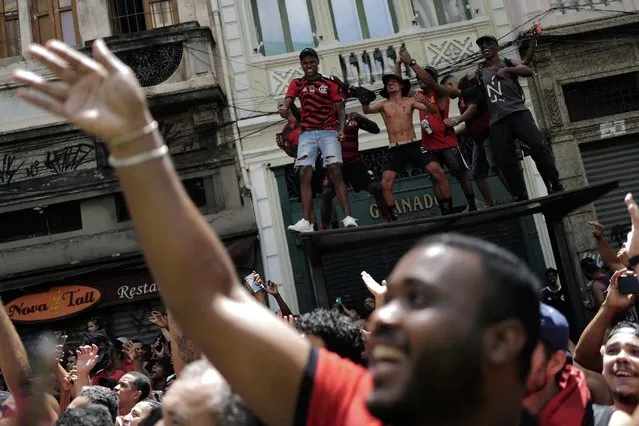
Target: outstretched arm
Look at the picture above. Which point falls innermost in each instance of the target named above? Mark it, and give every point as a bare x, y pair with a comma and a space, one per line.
426, 107
14, 363
373, 109
365, 124
195, 274
428, 80
519, 69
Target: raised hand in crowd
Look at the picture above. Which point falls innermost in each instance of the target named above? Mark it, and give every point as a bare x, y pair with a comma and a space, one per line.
377, 290
587, 352
272, 289
614, 261
633, 236
160, 319
597, 229
87, 357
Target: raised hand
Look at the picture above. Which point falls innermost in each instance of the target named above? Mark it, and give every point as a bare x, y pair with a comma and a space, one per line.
159, 319
86, 358
420, 98
69, 380
373, 286
101, 96
633, 236
597, 229
405, 57
616, 300
271, 288
130, 350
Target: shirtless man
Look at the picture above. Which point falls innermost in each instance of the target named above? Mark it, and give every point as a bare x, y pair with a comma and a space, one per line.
397, 112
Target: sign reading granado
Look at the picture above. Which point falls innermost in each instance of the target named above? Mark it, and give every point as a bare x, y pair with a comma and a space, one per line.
56, 303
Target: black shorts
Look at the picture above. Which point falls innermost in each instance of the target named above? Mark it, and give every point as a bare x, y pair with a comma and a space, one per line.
356, 175
316, 182
398, 156
449, 157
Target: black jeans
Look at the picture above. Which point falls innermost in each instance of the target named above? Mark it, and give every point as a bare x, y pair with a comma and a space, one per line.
520, 125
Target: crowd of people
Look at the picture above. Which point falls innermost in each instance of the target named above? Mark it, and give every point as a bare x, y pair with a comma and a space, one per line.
455, 336
320, 135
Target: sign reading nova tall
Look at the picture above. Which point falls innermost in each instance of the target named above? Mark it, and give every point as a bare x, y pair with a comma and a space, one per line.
56, 303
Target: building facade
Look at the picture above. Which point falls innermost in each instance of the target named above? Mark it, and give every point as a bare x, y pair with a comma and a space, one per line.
67, 248
586, 98
357, 41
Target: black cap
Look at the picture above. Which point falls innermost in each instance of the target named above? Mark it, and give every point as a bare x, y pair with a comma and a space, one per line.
485, 38
308, 52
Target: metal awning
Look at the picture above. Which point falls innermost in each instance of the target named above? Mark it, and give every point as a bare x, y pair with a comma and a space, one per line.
554, 208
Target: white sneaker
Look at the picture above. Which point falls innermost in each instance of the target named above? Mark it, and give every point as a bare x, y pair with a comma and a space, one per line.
349, 222
301, 226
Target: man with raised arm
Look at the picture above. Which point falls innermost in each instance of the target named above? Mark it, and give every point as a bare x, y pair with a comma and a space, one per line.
397, 111
510, 119
438, 139
484, 297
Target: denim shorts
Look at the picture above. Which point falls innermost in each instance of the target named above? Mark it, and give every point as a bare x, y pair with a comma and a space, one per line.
483, 159
313, 142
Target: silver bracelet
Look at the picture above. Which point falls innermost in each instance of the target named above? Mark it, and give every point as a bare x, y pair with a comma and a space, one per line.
146, 130
134, 160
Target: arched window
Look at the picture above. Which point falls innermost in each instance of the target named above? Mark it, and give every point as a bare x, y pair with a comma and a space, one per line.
355, 20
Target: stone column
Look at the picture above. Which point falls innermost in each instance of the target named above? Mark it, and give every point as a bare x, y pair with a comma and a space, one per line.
323, 21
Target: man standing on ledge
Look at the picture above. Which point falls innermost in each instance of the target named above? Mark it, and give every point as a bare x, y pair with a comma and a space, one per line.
510, 119
397, 112
323, 118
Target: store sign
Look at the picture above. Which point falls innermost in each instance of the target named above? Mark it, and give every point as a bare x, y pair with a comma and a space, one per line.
125, 291
57, 303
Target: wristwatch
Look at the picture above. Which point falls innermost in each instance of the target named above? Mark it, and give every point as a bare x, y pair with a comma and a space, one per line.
413, 62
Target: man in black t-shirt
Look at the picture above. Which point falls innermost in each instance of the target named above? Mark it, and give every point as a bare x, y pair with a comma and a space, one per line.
552, 294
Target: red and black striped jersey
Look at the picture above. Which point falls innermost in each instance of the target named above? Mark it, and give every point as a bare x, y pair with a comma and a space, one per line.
350, 143
317, 98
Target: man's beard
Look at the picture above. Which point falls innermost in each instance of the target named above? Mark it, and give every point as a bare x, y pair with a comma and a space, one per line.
625, 398
451, 374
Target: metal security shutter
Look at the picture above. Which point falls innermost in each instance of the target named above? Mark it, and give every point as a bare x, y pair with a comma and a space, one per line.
132, 320
608, 160
342, 270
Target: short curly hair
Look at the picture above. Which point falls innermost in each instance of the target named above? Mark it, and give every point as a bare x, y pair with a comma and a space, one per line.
340, 334
101, 395
88, 415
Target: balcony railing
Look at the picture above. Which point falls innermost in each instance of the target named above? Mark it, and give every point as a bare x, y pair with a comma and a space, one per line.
367, 66
565, 5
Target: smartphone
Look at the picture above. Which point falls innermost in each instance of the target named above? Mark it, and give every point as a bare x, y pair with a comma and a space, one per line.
255, 287
338, 300
628, 284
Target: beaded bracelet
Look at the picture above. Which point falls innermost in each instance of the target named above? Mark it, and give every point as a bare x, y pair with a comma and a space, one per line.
134, 160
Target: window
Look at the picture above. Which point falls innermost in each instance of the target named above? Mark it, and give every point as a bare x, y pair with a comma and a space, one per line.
40, 221
10, 29
55, 19
194, 188
355, 20
429, 13
283, 25
130, 16
602, 97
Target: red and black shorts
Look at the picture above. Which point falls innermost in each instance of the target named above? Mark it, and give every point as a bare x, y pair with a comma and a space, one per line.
356, 175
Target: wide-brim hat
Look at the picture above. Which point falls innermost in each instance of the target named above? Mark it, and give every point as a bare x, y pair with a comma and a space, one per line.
404, 82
